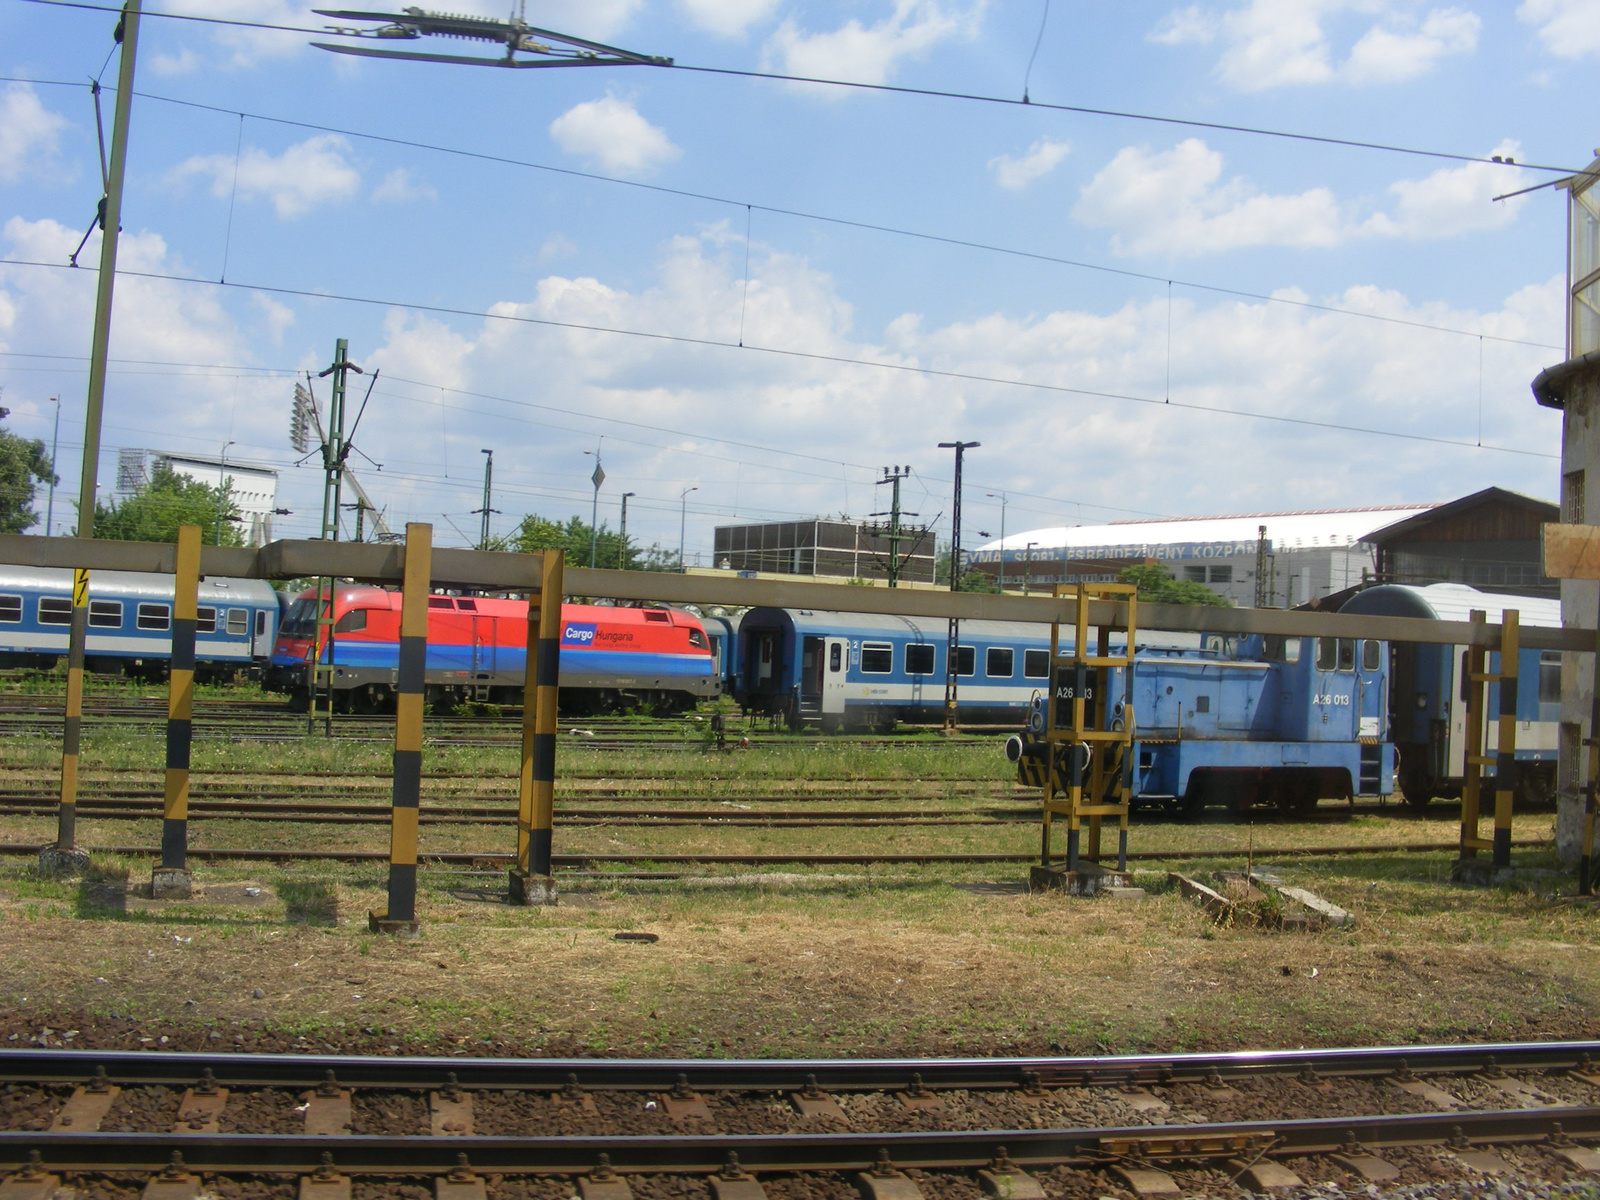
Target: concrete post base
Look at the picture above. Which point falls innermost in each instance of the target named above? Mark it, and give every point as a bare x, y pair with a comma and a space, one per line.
532, 890
171, 883
55, 861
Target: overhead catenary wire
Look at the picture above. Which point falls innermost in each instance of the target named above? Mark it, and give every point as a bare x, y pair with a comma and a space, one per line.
806, 356
821, 218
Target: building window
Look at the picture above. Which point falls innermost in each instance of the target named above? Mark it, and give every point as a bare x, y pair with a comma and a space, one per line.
998, 662
919, 659
1572, 498
1550, 677
877, 658
1221, 574
1194, 574
105, 614
154, 617
1584, 304
54, 611
1036, 664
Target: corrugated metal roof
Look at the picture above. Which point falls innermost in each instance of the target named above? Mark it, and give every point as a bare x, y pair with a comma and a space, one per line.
1286, 530
1455, 602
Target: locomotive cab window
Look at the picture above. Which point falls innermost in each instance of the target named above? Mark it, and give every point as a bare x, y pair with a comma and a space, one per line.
1036, 664
1371, 654
53, 610
877, 658
353, 621
919, 658
10, 609
238, 622
155, 617
1347, 654
301, 619
966, 660
105, 614
1327, 653
696, 638
205, 619
998, 662
1277, 648
1550, 677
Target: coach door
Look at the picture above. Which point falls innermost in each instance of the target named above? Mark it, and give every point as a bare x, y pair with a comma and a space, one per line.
833, 676
260, 637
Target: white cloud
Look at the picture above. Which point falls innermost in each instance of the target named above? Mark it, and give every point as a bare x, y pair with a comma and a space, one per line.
870, 53
399, 188
1454, 200
1568, 28
243, 46
728, 18
1173, 202
557, 246
1177, 203
598, 20
1042, 158
1271, 43
30, 134
314, 172
611, 133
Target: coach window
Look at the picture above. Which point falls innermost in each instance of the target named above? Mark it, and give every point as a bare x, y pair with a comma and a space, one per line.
1347, 654
238, 622
1550, 677
105, 614
353, 621
54, 611
1371, 654
877, 658
998, 662
156, 617
10, 609
966, 660
919, 658
205, 619
1036, 664
261, 622
1327, 653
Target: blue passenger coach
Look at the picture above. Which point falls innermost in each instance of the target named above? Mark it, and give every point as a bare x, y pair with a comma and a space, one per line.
1429, 690
130, 621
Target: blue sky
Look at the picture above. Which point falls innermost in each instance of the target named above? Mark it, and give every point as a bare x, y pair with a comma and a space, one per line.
441, 217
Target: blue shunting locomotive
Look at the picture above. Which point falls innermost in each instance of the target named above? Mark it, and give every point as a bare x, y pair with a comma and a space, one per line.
1428, 691
130, 621
1218, 720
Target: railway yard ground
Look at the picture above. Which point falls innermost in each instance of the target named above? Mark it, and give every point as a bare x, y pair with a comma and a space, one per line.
793, 898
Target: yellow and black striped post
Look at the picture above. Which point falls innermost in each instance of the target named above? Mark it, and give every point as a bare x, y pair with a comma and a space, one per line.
171, 880
1473, 690
64, 854
1505, 768
1592, 785
531, 879
401, 916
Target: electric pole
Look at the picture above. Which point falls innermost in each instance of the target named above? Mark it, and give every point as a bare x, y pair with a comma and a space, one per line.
1263, 583
488, 493
952, 653
65, 852
335, 449
894, 537
622, 563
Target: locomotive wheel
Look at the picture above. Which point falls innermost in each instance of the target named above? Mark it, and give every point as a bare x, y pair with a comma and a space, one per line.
1418, 793
1193, 805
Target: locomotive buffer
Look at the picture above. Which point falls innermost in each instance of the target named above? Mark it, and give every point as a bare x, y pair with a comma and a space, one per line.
1079, 745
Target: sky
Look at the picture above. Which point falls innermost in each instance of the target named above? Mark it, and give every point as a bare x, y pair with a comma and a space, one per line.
753, 295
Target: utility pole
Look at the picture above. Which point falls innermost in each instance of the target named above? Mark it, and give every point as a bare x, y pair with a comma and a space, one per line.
335, 449
953, 649
1002, 498
65, 852
1263, 584
597, 479
50, 505
488, 494
223, 489
622, 563
894, 536
683, 524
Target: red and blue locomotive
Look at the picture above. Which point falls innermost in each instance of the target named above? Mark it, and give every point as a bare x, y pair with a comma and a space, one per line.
611, 657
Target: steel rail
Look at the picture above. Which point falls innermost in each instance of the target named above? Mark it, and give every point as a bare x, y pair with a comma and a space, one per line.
146, 1067
705, 1154
25, 849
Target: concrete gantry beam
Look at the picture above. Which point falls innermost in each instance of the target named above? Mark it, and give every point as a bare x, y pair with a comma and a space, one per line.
383, 563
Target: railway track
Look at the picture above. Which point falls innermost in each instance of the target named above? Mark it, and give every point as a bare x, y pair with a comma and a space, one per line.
1195, 1124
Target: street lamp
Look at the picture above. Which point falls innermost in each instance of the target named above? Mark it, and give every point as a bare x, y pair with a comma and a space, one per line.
683, 517
622, 563
222, 488
1002, 498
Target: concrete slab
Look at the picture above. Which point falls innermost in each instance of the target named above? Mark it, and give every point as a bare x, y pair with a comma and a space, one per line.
1267, 1176
1010, 1185
1147, 1181
888, 1185
1369, 1167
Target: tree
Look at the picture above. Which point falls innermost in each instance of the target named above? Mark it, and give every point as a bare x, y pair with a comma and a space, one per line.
573, 539
972, 579
1155, 583
154, 512
21, 464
